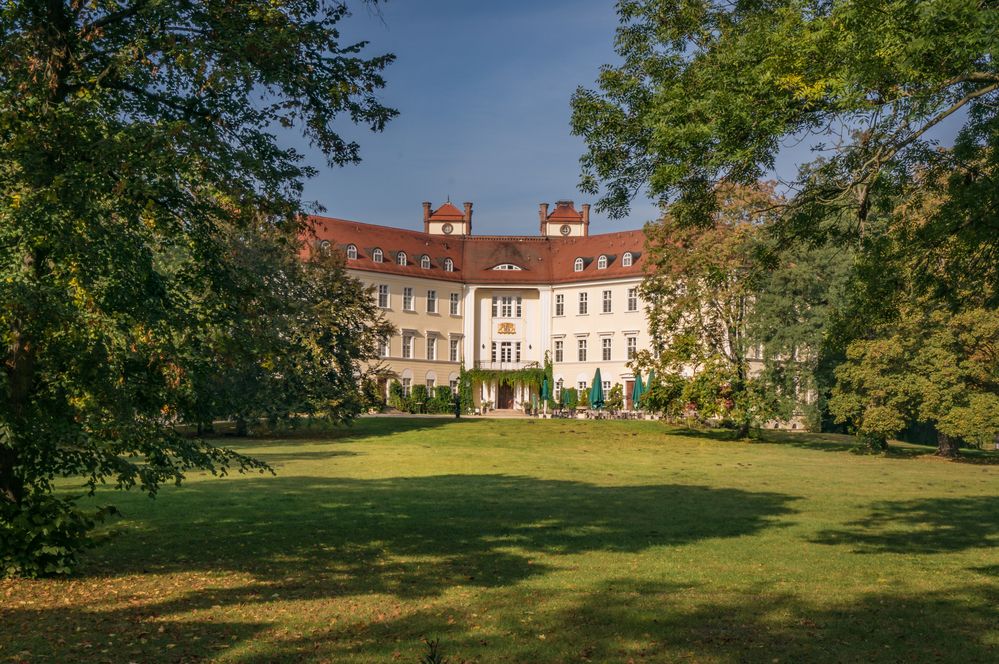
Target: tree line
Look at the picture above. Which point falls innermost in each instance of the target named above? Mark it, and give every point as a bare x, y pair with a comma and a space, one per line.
866, 280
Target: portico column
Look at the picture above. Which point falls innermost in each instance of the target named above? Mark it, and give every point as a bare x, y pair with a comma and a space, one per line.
469, 318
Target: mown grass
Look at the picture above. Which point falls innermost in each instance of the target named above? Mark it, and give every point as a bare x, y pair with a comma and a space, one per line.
537, 541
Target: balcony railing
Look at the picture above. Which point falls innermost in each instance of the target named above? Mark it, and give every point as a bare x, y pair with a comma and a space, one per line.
504, 366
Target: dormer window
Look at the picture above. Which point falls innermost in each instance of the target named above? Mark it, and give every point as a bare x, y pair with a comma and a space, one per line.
425, 262
507, 266
602, 263
627, 259
324, 247
400, 258
448, 265
377, 256
352, 252
578, 265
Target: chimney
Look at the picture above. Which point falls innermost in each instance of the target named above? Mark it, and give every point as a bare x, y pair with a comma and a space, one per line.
543, 215
586, 218
468, 218
426, 216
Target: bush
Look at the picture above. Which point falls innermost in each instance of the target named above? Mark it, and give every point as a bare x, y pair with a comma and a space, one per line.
615, 397
419, 398
396, 395
570, 398
43, 535
371, 395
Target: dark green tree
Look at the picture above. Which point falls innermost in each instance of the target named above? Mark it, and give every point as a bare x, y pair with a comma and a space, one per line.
148, 218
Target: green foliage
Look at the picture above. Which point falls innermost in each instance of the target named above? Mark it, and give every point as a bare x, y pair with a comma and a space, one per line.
151, 233
570, 397
372, 395
667, 395
433, 654
43, 535
930, 367
615, 397
396, 395
530, 375
465, 390
583, 397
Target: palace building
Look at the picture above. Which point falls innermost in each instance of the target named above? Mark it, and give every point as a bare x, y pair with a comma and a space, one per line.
500, 302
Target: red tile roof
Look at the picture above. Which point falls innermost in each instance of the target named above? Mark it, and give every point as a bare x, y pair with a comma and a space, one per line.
564, 211
542, 259
447, 212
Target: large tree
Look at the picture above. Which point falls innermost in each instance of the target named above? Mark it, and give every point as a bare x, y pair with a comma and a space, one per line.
140, 167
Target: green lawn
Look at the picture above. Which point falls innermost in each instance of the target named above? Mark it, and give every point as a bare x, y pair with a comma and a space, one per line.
537, 541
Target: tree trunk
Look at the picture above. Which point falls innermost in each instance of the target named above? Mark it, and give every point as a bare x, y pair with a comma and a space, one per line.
947, 447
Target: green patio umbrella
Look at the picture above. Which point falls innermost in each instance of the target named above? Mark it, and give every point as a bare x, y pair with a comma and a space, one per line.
597, 392
637, 391
546, 393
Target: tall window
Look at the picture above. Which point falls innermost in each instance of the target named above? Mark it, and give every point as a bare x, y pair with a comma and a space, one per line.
453, 384
431, 301
431, 348
578, 265
627, 259
386, 346
352, 252
453, 350
607, 302
581, 385
583, 306
516, 351
407, 346
560, 305
607, 386
605, 347
602, 263
632, 299
448, 265
559, 350
400, 258
407, 299
507, 306
377, 256
431, 384
425, 262
407, 386
581, 350
383, 296
632, 347
454, 303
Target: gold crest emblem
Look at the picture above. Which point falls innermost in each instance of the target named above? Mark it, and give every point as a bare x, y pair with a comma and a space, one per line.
506, 328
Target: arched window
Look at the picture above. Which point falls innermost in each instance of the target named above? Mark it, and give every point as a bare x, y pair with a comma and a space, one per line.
352, 252
324, 247
400, 258
602, 263
448, 265
425, 262
578, 265
377, 256
626, 260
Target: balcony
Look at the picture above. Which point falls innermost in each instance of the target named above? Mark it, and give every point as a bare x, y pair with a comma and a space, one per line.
504, 366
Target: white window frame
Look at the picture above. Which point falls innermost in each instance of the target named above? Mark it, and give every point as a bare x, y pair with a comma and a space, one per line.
584, 305
606, 346
425, 262
408, 301
559, 350
401, 259
602, 262
632, 345
407, 346
431, 301
627, 259
377, 256
448, 265
581, 350
383, 296
407, 386
454, 347
431, 348
455, 304
560, 304
578, 265
607, 301
633, 299
352, 252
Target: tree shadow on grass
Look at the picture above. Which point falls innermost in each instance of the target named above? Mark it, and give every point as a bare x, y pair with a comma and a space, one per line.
418, 536
625, 620
931, 525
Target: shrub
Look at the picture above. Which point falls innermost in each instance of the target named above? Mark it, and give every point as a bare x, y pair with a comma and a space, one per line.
42, 535
396, 395
615, 398
419, 398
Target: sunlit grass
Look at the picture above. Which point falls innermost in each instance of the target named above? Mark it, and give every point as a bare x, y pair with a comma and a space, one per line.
537, 541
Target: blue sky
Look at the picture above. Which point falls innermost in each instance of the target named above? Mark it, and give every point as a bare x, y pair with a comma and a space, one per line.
483, 92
